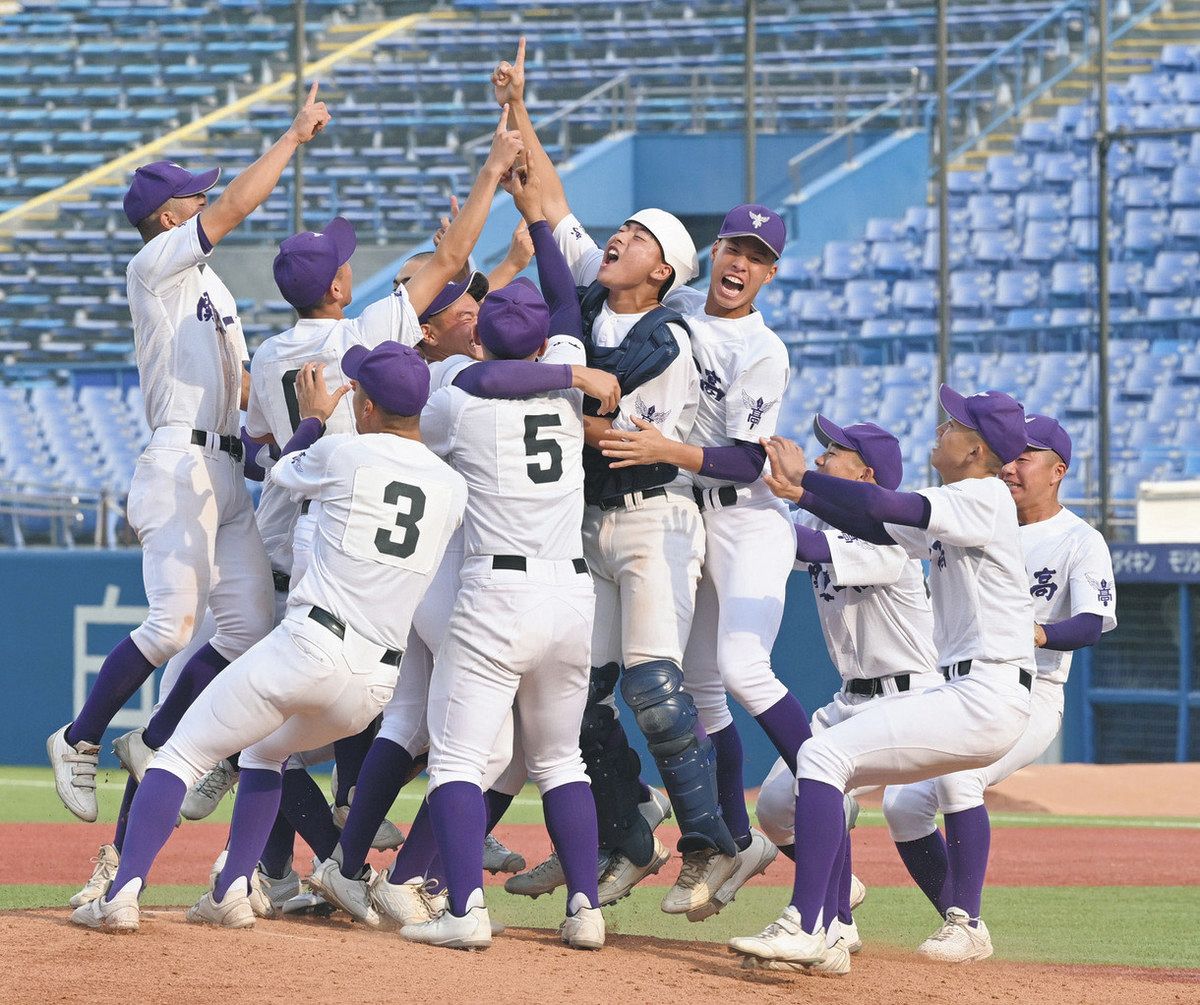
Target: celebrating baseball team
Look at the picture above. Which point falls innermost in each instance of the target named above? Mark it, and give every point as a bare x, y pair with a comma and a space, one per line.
487, 506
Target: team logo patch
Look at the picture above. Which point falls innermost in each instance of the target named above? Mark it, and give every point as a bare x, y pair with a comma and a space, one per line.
1103, 588
710, 384
757, 219
577, 233
1046, 587
206, 311
824, 586
650, 413
758, 408
937, 554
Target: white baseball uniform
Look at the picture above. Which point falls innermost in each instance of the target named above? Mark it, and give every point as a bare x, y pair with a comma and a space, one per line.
521, 629
188, 502
1069, 572
388, 509
645, 555
981, 631
749, 541
878, 625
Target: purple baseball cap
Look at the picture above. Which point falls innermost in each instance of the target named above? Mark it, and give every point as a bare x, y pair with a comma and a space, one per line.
754, 220
878, 448
393, 376
153, 184
998, 417
475, 284
514, 321
307, 262
1045, 433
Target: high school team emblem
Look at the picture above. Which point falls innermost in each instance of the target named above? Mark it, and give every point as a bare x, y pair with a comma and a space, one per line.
758, 408
650, 413
710, 384
1045, 587
758, 219
1103, 588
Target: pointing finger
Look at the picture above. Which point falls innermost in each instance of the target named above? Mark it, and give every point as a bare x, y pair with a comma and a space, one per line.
503, 119
521, 53
453, 206
312, 93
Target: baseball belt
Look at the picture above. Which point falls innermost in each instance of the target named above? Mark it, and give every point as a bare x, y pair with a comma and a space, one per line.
517, 563
624, 502
232, 445
283, 582
873, 686
326, 620
963, 668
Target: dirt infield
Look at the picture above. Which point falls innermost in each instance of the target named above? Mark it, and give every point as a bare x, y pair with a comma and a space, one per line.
332, 961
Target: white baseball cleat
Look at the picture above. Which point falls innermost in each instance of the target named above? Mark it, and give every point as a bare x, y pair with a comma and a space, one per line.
260, 900
656, 809
117, 914
758, 855
407, 903
278, 889
206, 795
703, 874
784, 940
835, 963
858, 892
956, 941
583, 928
387, 838
498, 858
849, 934
132, 752
471, 931
621, 875
544, 878
74, 773
352, 895
105, 871
308, 901
233, 912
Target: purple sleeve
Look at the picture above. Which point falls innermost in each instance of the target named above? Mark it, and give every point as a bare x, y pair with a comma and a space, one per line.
306, 434
1078, 632
909, 509
558, 285
205, 243
250, 448
812, 545
852, 523
738, 462
513, 378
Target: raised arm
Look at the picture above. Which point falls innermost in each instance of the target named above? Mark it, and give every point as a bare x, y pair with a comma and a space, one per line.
249, 190
508, 79
554, 275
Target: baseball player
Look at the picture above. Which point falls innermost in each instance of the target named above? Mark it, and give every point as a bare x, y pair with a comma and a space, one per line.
744, 370
188, 501
642, 535
1070, 579
878, 626
967, 529
388, 508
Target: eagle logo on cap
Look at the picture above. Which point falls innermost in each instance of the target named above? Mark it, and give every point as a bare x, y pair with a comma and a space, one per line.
758, 219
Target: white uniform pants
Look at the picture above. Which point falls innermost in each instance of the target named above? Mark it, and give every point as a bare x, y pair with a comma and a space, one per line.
645, 562
750, 550
776, 808
200, 548
300, 688
966, 722
911, 810
516, 638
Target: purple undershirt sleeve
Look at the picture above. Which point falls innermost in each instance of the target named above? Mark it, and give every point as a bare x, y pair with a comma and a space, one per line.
739, 462
1078, 632
909, 509
250, 448
812, 545
513, 378
852, 523
558, 285
306, 434
205, 243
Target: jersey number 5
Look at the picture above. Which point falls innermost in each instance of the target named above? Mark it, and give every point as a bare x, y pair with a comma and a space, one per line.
407, 522
551, 469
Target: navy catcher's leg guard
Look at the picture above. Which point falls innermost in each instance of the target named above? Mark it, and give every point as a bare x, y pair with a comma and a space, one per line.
613, 769
666, 714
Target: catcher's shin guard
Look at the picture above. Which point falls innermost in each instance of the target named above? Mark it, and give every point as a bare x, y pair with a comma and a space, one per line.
666, 714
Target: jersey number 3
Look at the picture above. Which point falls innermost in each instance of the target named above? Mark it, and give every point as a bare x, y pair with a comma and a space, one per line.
396, 523
548, 463
408, 522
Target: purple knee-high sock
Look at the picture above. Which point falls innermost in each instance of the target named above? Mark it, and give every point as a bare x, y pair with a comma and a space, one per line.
833, 890
303, 803
731, 789
459, 819
968, 840
152, 817
384, 771
131, 787
820, 828
928, 862
571, 822
786, 725
349, 754
844, 914
420, 849
254, 813
196, 675
277, 854
124, 670
498, 804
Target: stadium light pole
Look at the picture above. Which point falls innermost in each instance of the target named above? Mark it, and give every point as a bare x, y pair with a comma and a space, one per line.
298, 94
943, 197
749, 99
1103, 143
